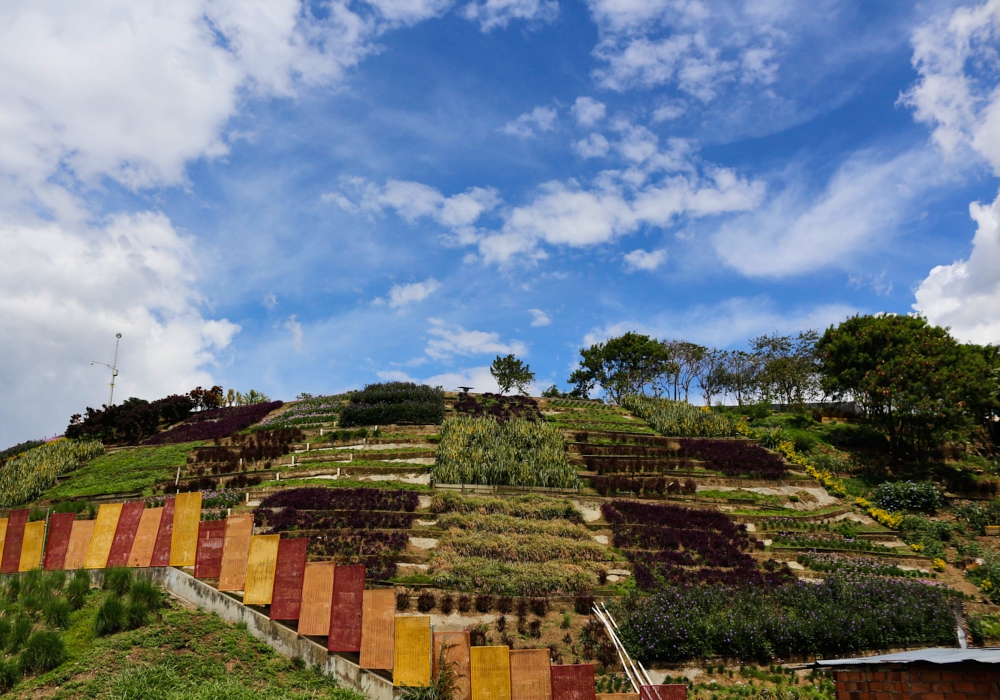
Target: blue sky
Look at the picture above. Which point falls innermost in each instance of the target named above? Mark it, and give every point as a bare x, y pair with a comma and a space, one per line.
295, 197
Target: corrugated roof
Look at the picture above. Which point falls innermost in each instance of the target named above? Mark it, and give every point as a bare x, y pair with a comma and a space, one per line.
938, 655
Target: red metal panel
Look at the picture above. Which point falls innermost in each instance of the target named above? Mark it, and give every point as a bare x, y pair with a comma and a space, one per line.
208, 558
60, 526
161, 551
286, 601
674, 691
345, 609
128, 523
573, 682
12, 545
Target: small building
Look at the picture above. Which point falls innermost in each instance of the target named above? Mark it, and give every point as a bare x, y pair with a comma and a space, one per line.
924, 674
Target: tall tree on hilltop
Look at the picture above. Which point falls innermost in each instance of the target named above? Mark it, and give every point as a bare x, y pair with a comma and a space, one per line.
510, 372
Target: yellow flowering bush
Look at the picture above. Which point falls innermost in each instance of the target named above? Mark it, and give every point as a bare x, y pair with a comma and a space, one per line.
917, 547
939, 564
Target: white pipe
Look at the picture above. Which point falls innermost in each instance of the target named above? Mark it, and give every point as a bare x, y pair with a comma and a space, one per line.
645, 673
620, 648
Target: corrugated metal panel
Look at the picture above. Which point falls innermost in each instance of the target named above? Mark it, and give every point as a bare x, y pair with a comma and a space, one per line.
573, 682
672, 691
239, 530
79, 543
128, 523
935, 655
60, 527
412, 652
12, 542
617, 696
456, 652
3, 536
104, 535
317, 592
208, 559
286, 602
141, 555
164, 534
184, 540
529, 674
260, 569
378, 629
345, 609
31, 546
490, 673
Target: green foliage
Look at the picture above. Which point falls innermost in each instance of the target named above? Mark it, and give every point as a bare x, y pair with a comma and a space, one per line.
118, 580
10, 674
56, 612
679, 419
134, 419
146, 593
123, 472
513, 453
979, 515
511, 373
522, 548
528, 506
135, 615
451, 570
25, 477
20, 628
78, 588
897, 496
394, 403
110, 617
621, 366
19, 448
43, 651
497, 524
443, 687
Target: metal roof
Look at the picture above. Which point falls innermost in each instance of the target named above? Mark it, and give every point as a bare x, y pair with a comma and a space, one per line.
938, 655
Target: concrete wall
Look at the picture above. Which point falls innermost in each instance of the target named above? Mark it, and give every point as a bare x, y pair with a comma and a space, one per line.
284, 640
961, 681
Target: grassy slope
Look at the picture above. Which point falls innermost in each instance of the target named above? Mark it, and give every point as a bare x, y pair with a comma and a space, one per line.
187, 654
129, 470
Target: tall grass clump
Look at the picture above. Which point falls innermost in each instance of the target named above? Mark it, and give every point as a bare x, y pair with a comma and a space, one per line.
110, 616
10, 674
118, 580
24, 477
43, 651
679, 419
514, 453
78, 588
56, 612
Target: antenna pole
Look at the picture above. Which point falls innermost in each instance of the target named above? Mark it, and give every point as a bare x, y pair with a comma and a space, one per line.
114, 370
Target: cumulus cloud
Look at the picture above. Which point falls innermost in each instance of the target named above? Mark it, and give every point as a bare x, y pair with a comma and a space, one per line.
492, 14
450, 340
594, 146
402, 295
540, 318
643, 260
540, 118
588, 111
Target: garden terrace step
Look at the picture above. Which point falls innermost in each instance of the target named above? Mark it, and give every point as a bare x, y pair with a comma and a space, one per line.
593, 435
369, 443
851, 552
483, 489
807, 518
714, 479
790, 554
586, 449
892, 536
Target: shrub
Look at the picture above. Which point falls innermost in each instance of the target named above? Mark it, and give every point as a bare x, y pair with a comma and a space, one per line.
135, 615
110, 616
118, 580
505, 604
394, 403
402, 600
896, 496
500, 408
215, 424
20, 629
515, 453
56, 612
5, 630
464, 603
25, 477
539, 606
680, 419
10, 674
43, 651
483, 603
583, 602
78, 588
146, 593
447, 604
426, 601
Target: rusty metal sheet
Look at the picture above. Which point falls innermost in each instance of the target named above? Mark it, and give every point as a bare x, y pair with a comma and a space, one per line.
412, 651
104, 535
317, 592
672, 691
164, 534
260, 569
128, 523
378, 613
79, 543
455, 646
208, 558
11, 559
529, 674
573, 682
239, 530
345, 608
490, 673
184, 539
31, 546
60, 527
286, 601
3, 536
141, 555
617, 696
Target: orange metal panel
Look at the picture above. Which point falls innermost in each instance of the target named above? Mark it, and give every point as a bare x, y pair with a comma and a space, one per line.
617, 696
31, 546
145, 538
260, 569
3, 535
239, 530
412, 653
490, 673
529, 674
455, 646
184, 539
79, 543
104, 535
378, 615
317, 594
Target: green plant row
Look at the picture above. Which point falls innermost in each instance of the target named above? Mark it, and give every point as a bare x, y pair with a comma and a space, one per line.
507, 525
25, 477
528, 506
513, 548
480, 574
680, 419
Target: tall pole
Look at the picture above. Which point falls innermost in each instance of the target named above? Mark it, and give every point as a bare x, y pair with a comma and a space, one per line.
114, 370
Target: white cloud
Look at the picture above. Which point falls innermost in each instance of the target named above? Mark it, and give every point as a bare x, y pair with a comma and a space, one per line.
643, 260
63, 296
450, 340
540, 318
878, 283
498, 13
594, 146
540, 118
293, 326
270, 302
669, 110
588, 111
402, 295
410, 11
966, 294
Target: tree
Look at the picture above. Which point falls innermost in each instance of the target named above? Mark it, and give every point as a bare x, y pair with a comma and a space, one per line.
510, 372
621, 366
740, 376
712, 374
788, 370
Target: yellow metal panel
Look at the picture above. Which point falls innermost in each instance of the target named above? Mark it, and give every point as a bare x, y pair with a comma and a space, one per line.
235, 550
104, 535
184, 539
378, 618
412, 656
490, 673
145, 538
260, 569
3, 534
317, 595
79, 543
31, 546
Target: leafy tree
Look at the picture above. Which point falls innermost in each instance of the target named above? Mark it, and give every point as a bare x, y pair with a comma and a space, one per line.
553, 392
510, 373
712, 374
684, 367
787, 364
740, 376
621, 366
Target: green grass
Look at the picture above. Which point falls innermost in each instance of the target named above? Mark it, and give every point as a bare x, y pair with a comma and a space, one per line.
349, 483
124, 472
757, 498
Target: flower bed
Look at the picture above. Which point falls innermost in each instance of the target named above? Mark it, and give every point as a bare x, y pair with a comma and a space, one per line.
307, 412
377, 550
736, 458
290, 519
831, 541
678, 418
24, 477
361, 499
648, 486
529, 506
866, 566
394, 403
215, 424
500, 408
507, 525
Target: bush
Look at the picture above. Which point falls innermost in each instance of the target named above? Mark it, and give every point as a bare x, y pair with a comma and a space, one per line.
25, 477
118, 580
680, 419
447, 604
402, 600
110, 616
896, 496
215, 424
394, 403
514, 453
43, 651
135, 615
20, 629
146, 593
464, 603
483, 603
426, 601
10, 674
78, 588
56, 612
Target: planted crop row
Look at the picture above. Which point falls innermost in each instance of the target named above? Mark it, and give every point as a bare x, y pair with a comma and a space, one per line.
370, 543
527, 506
394, 403
499, 407
514, 453
290, 519
25, 477
867, 566
320, 498
647, 486
736, 458
508, 525
307, 411
680, 419
487, 575
515, 548
600, 438
215, 424
830, 541
628, 450
630, 465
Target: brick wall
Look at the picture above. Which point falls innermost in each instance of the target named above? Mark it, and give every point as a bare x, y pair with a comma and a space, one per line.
962, 681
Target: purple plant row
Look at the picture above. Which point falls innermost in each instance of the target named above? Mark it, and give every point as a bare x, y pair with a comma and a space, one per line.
215, 424
320, 498
289, 519
735, 457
